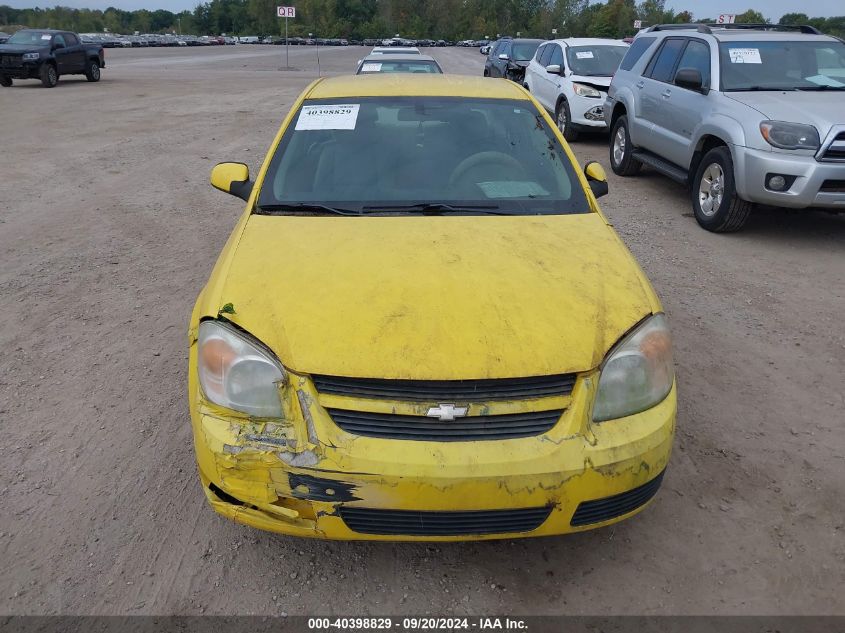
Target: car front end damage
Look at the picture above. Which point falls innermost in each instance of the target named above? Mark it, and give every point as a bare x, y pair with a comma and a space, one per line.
363, 459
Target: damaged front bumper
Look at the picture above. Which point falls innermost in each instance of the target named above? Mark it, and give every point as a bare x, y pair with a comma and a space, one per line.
302, 475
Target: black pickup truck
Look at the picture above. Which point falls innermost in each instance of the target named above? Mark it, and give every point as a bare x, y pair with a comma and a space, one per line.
47, 55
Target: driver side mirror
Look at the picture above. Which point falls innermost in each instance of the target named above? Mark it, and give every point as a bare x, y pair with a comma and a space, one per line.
597, 178
504, 57
232, 178
58, 46
553, 69
690, 78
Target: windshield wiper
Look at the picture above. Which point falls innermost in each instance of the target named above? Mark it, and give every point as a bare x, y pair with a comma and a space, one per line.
760, 89
304, 207
821, 87
438, 207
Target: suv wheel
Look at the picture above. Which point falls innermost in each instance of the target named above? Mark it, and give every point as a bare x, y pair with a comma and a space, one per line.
621, 159
5, 81
714, 200
92, 71
49, 75
563, 118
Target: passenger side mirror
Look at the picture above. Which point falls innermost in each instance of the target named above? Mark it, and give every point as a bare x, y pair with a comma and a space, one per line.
689, 78
504, 57
597, 178
232, 178
57, 46
554, 69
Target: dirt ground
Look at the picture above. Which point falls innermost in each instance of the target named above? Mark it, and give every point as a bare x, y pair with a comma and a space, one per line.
108, 230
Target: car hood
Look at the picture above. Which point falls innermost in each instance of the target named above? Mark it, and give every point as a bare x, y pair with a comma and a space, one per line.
14, 49
821, 109
433, 297
595, 82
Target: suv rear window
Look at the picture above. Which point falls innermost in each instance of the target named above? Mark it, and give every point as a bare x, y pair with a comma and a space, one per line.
638, 47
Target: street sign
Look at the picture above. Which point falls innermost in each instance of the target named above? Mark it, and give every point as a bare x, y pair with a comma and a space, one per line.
286, 12
726, 18
638, 24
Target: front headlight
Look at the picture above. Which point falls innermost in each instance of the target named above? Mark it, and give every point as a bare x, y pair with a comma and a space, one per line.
31, 57
790, 135
585, 91
638, 373
236, 373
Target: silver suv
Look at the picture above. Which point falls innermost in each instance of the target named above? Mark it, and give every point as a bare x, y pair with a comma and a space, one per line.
742, 114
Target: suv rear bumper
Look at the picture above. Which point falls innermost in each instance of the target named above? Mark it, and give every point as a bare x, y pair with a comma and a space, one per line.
814, 184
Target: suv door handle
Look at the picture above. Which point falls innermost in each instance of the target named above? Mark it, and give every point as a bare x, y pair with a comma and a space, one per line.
640, 84
666, 93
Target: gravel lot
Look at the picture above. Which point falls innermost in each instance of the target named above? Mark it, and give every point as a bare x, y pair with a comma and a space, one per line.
108, 229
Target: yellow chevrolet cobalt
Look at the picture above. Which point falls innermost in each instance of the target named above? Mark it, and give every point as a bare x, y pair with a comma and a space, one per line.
423, 327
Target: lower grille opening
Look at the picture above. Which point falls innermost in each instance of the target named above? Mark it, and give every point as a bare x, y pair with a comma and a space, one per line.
421, 428
427, 523
835, 186
225, 496
599, 510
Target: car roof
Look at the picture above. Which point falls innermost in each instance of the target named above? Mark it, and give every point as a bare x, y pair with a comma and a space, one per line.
398, 57
733, 35
589, 41
416, 85
741, 32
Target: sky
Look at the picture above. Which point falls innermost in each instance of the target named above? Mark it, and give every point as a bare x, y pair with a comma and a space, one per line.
772, 9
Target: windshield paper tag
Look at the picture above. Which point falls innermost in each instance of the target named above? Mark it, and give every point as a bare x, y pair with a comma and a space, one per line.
371, 67
512, 189
584, 54
46, 37
328, 117
745, 55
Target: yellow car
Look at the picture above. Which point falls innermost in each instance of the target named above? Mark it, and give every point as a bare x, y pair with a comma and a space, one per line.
423, 327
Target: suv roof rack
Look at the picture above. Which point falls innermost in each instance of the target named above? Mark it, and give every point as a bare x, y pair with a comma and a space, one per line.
701, 28
803, 28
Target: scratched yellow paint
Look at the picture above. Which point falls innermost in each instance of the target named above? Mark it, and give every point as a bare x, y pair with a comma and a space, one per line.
425, 298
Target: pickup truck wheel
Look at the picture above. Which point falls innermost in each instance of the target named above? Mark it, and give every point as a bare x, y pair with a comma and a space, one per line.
714, 199
49, 75
563, 118
6, 82
621, 149
92, 71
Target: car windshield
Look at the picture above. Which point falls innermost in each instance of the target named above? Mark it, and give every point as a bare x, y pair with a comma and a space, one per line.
595, 61
37, 38
398, 67
380, 154
779, 65
523, 51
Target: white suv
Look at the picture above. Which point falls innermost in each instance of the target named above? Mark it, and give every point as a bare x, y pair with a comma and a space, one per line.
570, 79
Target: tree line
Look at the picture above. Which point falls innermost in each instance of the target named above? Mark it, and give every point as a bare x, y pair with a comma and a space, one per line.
446, 19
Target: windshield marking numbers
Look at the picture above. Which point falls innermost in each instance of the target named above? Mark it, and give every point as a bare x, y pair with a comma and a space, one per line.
745, 55
328, 117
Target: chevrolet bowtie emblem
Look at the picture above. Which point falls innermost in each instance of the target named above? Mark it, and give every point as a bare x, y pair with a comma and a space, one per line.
446, 412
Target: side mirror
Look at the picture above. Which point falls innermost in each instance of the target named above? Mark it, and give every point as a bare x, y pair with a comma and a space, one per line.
233, 178
689, 78
57, 46
504, 57
554, 69
597, 178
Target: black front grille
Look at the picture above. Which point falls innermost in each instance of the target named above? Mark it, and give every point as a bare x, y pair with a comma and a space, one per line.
11, 61
611, 507
835, 186
421, 428
447, 390
465, 523
836, 151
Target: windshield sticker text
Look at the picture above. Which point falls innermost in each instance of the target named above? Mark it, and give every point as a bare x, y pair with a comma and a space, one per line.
584, 54
745, 55
328, 117
371, 67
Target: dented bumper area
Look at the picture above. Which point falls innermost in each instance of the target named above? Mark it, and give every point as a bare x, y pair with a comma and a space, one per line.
305, 476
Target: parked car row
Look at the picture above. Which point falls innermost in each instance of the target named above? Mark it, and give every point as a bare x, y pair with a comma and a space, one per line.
143, 41
741, 114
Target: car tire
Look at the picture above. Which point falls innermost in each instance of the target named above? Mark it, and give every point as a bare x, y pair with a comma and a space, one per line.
486, 73
563, 120
92, 71
622, 161
715, 202
49, 75
6, 82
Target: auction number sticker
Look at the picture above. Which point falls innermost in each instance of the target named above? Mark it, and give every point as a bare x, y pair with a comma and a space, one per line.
371, 67
328, 117
584, 54
745, 55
